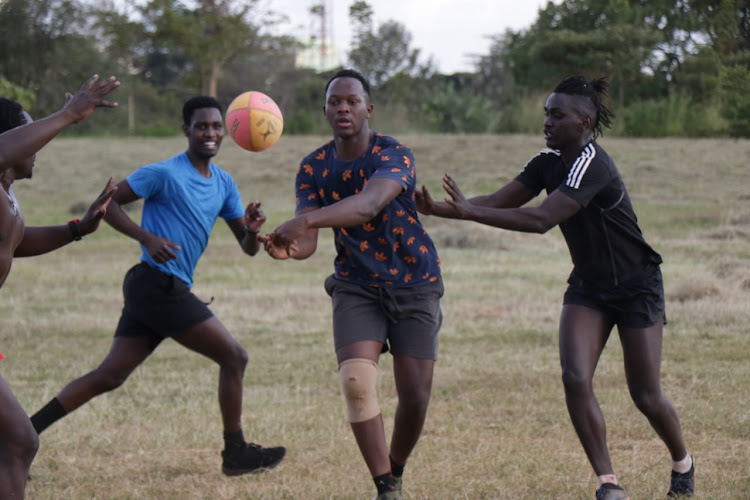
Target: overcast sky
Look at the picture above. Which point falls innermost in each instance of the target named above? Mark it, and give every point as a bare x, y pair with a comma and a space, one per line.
447, 30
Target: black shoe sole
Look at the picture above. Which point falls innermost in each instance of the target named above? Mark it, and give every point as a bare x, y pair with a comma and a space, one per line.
230, 471
238, 472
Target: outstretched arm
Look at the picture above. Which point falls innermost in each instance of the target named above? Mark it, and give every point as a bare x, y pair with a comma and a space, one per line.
24, 141
556, 208
42, 239
514, 194
298, 236
353, 210
246, 229
300, 249
160, 249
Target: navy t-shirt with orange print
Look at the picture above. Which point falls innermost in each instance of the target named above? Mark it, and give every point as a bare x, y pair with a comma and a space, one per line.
392, 249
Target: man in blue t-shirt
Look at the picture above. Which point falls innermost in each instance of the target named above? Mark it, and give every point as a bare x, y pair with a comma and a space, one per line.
386, 287
615, 280
183, 197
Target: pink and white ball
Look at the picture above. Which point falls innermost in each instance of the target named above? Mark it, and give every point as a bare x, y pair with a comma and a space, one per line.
254, 121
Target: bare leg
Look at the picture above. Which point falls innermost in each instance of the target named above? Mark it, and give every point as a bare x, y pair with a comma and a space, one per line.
583, 335
18, 445
125, 355
642, 351
414, 385
370, 435
212, 339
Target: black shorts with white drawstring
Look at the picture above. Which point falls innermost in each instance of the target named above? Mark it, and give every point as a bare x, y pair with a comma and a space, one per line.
158, 305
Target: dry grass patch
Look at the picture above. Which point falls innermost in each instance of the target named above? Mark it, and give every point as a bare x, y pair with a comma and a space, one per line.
497, 427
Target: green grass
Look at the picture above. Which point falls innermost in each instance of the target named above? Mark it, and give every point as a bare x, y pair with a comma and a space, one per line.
497, 426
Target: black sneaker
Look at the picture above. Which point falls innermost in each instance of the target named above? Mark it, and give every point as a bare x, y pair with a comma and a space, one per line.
609, 491
249, 458
682, 484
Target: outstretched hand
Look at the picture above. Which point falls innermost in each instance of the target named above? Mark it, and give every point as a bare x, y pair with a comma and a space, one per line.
283, 243
456, 198
276, 247
90, 96
254, 216
98, 209
425, 204
428, 206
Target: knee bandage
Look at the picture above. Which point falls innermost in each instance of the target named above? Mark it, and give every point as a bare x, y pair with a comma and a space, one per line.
358, 381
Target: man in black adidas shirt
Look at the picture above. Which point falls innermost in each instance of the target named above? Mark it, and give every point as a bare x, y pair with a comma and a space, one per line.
616, 278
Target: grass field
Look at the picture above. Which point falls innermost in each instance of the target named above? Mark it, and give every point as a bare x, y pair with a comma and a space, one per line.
497, 426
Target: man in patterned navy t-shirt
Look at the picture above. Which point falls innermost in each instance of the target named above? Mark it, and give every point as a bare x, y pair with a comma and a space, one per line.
391, 249
386, 287
616, 278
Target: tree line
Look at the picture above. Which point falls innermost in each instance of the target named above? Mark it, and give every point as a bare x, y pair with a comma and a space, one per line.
676, 67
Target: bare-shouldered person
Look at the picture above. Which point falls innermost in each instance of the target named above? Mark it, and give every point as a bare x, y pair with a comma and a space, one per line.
20, 139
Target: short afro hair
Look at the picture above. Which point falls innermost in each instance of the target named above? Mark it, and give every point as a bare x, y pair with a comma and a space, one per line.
198, 102
11, 114
350, 73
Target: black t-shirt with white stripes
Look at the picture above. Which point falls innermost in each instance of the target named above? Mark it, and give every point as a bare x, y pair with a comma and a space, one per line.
605, 242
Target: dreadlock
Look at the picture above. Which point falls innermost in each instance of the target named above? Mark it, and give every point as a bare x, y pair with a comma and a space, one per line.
591, 93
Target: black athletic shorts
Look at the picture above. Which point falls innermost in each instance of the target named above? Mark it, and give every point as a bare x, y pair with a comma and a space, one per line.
158, 305
407, 319
636, 304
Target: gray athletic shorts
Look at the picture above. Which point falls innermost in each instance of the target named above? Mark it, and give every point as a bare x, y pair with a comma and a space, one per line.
158, 305
406, 319
636, 304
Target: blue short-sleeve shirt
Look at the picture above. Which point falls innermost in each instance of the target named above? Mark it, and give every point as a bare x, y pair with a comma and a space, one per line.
182, 206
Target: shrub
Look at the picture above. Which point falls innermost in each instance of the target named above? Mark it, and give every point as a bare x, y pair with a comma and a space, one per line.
735, 97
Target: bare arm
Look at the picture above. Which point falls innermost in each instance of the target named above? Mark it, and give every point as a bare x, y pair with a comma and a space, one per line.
303, 247
42, 239
556, 208
160, 249
298, 236
246, 229
24, 141
357, 209
513, 194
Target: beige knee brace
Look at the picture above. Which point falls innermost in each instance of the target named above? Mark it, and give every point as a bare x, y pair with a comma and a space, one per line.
358, 381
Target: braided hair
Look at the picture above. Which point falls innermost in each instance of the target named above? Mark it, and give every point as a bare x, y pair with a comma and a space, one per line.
590, 93
11, 114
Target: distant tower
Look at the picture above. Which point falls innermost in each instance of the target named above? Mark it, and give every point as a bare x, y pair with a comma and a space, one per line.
319, 50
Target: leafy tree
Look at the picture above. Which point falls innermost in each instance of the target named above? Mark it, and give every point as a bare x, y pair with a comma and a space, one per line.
208, 36
452, 111
735, 108
10, 91
494, 78
304, 113
592, 37
47, 50
269, 68
726, 23
124, 39
382, 53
